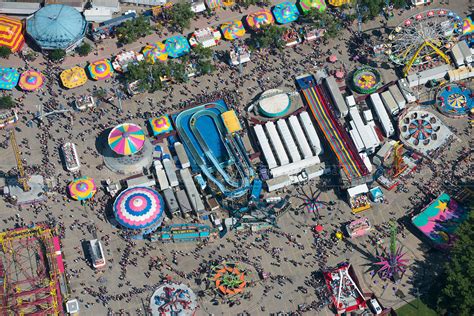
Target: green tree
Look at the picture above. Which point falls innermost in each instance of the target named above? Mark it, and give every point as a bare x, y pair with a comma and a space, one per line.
6, 102
56, 54
399, 3
100, 93
132, 30
374, 7
178, 71
247, 3
325, 21
180, 15
5, 52
457, 294
84, 49
202, 59
269, 36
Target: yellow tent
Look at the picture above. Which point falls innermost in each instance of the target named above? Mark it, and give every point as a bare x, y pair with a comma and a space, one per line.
231, 121
73, 77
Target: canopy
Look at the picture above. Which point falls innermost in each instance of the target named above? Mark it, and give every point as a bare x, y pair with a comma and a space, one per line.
11, 33
177, 46
160, 125
126, 139
73, 77
154, 52
260, 18
101, 69
8, 78
212, 4
82, 189
308, 5
139, 208
285, 12
31, 80
233, 30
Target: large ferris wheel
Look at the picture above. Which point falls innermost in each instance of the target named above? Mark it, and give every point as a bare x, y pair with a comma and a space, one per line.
424, 37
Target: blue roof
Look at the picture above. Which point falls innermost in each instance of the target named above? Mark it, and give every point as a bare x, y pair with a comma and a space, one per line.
56, 26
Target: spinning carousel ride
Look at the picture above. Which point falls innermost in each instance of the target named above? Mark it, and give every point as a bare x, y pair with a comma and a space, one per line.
424, 38
366, 80
455, 100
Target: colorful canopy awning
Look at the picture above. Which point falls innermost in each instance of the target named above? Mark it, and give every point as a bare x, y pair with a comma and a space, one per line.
31, 80
467, 26
260, 18
177, 46
82, 189
11, 33
139, 208
160, 125
308, 5
8, 78
73, 77
212, 4
286, 12
126, 139
101, 69
155, 52
233, 30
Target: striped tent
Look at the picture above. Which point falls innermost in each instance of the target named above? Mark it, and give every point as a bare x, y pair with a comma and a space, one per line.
11, 33
212, 4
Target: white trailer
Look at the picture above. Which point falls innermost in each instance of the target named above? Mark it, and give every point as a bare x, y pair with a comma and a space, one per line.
190, 188
397, 95
311, 133
368, 117
183, 202
390, 103
182, 155
421, 78
265, 146
143, 181
288, 141
368, 138
162, 179
300, 137
457, 55
466, 52
406, 91
382, 115
336, 96
170, 170
277, 144
350, 100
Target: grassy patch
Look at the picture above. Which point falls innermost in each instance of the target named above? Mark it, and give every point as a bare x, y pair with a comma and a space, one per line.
415, 308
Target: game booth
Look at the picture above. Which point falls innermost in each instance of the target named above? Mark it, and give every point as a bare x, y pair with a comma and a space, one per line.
359, 227
358, 198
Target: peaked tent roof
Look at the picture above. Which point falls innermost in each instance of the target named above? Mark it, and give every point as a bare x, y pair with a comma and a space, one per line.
11, 33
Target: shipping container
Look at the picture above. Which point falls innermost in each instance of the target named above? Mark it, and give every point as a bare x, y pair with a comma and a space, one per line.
311, 133
382, 115
191, 190
182, 155
170, 170
336, 96
300, 137
183, 203
171, 202
389, 102
288, 141
265, 146
277, 144
397, 95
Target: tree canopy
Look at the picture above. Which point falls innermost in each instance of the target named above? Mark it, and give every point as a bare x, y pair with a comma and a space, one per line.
457, 294
5, 52
56, 54
6, 102
84, 49
132, 30
202, 58
180, 15
268, 37
325, 21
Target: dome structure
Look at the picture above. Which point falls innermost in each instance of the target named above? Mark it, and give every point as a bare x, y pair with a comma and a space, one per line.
56, 26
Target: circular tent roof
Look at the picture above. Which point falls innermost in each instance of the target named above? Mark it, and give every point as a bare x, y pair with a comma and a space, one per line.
274, 103
139, 208
56, 26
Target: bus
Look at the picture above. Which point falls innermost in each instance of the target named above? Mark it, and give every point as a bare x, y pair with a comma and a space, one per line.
97, 254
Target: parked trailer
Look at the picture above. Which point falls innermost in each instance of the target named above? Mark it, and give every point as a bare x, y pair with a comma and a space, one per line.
162, 179
421, 78
300, 137
265, 146
311, 133
389, 102
397, 95
406, 91
288, 141
466, 52
336, 96
190, 187
457, 55
170, 170
382, 115
182, 155
183, 203
171, 202
277, 144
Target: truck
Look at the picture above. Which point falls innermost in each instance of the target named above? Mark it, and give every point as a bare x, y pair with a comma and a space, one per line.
382, 115
406, 91
170, 170
182, 155
457, 55
336, 96
389, 103
397, 95
216, 221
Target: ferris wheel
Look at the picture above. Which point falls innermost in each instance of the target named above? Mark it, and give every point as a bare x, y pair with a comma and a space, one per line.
424, 37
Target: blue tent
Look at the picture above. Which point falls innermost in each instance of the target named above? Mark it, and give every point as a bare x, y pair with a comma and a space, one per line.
8, 78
